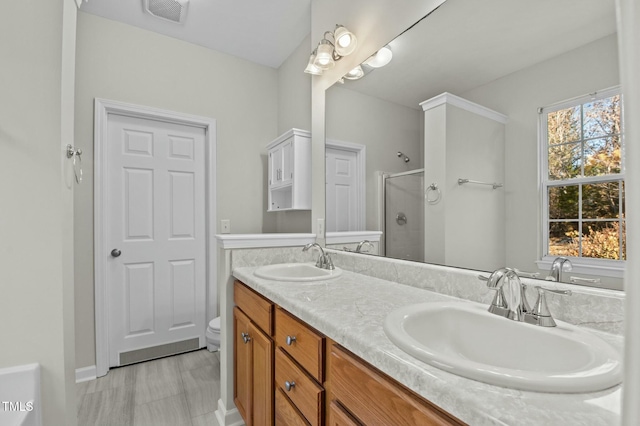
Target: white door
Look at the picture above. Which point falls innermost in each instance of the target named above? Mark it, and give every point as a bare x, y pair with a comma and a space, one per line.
155, 219
341, 190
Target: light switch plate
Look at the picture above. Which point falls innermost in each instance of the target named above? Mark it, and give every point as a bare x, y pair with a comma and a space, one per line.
320, 233
225, 225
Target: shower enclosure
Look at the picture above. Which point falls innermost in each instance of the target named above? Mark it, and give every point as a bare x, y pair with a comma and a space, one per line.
403, 207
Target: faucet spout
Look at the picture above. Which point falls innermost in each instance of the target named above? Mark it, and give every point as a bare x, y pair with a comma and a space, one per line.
512, 302
324, 260
559, 264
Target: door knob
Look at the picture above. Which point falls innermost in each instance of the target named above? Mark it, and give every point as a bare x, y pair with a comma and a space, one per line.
115, 252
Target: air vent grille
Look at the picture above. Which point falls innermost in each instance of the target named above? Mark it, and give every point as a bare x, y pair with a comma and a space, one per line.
171, 10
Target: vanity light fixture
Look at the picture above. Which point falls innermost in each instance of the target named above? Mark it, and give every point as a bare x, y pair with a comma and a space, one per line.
311, 68
324, 57
355, 73
379, 59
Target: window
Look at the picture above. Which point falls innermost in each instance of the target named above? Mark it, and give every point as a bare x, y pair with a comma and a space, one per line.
582, 158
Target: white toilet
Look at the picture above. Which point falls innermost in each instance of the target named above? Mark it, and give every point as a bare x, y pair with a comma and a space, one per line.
213, 335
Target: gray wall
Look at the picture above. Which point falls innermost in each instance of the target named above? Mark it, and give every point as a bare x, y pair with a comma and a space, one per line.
37, 43
124, 63
584, 70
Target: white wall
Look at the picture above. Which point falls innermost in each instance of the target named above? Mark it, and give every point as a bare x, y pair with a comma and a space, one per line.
294, 111
124, 63
466, 228
383, 127
37, 46
584, 70
629, 38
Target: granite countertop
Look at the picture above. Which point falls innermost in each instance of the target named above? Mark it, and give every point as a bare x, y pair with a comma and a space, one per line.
351, 309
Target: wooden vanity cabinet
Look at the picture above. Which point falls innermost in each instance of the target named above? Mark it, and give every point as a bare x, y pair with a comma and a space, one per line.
287, 373
253, 352
364, 395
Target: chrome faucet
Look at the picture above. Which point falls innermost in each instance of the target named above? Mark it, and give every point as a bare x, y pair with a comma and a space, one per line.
361, 244
514, 305
559, 264
324, 261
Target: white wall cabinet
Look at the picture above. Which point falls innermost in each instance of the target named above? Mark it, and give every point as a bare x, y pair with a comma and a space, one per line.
289, 158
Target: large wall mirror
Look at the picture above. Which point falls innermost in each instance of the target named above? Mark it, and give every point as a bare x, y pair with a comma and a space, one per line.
394, 161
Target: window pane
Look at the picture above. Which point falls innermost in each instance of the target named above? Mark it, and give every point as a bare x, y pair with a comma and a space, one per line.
564, 125
563, 239
601, 200
601, 240
565, 161
602, 117
602, 156
563, 202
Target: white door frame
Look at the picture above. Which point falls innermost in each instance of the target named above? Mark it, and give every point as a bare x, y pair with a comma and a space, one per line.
103, 108
361, 176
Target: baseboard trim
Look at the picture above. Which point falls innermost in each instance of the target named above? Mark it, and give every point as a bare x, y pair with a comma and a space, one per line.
86, 373
228, 417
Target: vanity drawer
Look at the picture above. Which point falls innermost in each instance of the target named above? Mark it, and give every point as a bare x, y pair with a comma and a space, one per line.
259, 309
286, 413
300, 341
305, 394
338, 416
374, 398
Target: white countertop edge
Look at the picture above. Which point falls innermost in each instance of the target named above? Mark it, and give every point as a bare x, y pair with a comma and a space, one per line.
353, 237
237, 241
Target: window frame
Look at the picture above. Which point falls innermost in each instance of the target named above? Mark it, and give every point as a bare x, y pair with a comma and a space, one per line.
581, 265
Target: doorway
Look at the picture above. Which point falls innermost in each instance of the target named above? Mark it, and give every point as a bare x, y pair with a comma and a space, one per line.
154, 224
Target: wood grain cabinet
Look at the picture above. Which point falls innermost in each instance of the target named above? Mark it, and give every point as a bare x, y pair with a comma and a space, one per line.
288, 373
253, 356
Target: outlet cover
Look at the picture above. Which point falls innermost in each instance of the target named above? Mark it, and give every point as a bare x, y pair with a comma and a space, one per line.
225, 225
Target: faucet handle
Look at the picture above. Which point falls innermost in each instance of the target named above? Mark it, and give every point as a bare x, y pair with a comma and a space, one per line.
540, 314
328, 262
523, 274
580, 280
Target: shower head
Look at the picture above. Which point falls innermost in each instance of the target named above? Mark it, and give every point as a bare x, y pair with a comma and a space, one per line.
404, 157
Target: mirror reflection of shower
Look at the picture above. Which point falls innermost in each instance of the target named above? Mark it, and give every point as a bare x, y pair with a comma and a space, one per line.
403, 157
403, 207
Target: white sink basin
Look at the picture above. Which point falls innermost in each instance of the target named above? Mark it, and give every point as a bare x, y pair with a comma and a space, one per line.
296, 272
465, 339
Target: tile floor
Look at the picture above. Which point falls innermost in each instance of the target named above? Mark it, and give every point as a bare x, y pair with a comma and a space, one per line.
181, 390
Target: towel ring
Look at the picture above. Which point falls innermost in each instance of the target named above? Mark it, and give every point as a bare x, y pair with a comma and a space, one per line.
433, 187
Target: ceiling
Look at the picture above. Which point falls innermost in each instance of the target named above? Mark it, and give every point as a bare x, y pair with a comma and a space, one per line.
465, 44
264, 32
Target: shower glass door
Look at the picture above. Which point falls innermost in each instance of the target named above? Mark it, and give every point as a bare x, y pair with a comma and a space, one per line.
404, 215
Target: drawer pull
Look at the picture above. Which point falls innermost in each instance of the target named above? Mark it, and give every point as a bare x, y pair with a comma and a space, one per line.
291, 340
245, 337
289, 385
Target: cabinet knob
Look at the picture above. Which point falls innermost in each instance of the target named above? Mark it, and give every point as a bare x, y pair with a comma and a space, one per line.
291, 340
245, 337
289, 385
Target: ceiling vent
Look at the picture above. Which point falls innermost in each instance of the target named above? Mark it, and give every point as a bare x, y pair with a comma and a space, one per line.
169, 10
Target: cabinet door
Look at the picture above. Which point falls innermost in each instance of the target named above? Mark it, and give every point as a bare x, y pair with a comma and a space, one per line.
262, 366
275, 166
242, 366
287, 163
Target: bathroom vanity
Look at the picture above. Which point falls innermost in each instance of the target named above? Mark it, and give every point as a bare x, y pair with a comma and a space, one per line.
323, 356
315, 380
